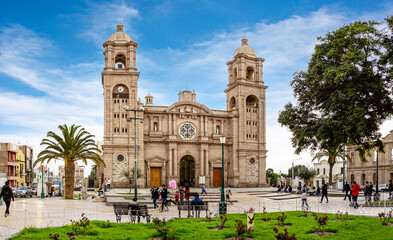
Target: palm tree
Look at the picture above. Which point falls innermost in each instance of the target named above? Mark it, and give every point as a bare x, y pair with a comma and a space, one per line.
75, 144
332, 154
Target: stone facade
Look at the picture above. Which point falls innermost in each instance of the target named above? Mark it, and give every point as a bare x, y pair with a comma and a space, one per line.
322, 170
181, 141
366, 171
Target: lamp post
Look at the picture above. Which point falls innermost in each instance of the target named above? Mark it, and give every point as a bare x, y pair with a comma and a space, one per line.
223, 205
376, 195
293, 168
129, 119
344, 168
42, 180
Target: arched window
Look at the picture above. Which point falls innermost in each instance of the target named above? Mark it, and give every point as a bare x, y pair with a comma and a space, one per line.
250, 74
218, 129
324, 171
120, 61
318, 171
363, 179
234, 74
155, 126
232, 103
252, 102
352, 177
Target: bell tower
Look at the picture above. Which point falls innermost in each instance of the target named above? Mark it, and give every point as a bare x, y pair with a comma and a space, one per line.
245, 95
120, 87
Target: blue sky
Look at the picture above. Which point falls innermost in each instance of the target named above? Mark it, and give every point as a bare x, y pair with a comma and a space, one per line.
51, 56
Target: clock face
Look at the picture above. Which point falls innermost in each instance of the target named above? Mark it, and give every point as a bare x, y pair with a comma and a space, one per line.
120, 89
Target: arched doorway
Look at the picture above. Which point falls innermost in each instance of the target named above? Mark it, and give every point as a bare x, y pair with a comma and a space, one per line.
187, 171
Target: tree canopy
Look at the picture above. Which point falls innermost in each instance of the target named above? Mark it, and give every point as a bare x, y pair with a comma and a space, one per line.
346, 92
74, 144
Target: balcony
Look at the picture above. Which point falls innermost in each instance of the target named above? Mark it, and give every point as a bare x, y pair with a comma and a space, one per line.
15, 164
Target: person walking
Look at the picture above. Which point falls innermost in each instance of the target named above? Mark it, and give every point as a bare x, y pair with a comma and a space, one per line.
164, 195
7, 194
203, 189
304, 198
347, 189
227, 193
390, 189
355, 194
186, 192
109, 184
154, 196
324, 192
366, 191
105, 185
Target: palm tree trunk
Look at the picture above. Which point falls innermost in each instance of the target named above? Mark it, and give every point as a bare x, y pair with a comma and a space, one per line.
69, 179
331, 164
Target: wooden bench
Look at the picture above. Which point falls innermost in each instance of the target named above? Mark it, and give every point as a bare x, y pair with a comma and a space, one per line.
194, 208
120, 210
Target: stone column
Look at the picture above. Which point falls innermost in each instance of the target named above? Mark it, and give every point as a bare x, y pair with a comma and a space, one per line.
175, 162
170, 123
201, 160
170, 162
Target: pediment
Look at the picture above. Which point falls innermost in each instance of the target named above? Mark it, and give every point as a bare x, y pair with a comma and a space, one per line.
156, 159
188, 107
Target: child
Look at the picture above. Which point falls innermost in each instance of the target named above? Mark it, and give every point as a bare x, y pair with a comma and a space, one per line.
304, 198
203, 189
228, 191
186, 192
177, 197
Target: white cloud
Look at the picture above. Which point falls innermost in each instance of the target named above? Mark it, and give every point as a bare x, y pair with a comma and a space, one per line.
100, 19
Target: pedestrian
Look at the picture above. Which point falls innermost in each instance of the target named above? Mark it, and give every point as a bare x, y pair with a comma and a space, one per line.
347, 188
355, 194
390, 189
299, 189
203, 189
371, 191
228, 191
365, 191
105, 185
109, 184
186, 192
164, 195
324, 192
197, 201
154, 196
177, 197
304, 198
7, 194
181, 191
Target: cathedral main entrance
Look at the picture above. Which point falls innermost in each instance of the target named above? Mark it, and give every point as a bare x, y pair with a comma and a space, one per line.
187, 171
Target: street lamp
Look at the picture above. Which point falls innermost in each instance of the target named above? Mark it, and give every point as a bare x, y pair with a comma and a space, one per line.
223, 205
129, 119
376, 195
42, 180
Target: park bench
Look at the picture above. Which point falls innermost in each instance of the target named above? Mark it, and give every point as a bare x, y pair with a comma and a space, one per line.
133, 211
138, 211
193, 208
120, 209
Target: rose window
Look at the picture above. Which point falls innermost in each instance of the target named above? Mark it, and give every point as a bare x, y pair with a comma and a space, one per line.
187, 131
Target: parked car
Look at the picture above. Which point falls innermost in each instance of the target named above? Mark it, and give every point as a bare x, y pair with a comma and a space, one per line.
383, 187
24, 192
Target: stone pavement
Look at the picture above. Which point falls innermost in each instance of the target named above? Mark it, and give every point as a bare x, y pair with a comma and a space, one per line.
51, 212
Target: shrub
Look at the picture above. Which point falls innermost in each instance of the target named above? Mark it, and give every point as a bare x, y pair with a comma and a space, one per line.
81, 226
385, 217
54, 236
209, 216
223, 218
281, 219
163, 230
106, 225
284, 236
322, 222
342, 216
241, 229
306, 211
264, 215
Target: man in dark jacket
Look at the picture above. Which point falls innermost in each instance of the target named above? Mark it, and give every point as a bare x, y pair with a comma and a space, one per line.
154, 196
164, 195
390, 189
324, 192
347, 190
6, 193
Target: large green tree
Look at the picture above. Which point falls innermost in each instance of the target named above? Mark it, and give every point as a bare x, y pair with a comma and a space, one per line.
272, 175
74, 144
346, 92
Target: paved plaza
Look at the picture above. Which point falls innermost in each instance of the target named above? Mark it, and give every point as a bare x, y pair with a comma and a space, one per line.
50, 212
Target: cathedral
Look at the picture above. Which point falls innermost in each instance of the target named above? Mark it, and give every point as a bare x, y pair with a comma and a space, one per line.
181, 142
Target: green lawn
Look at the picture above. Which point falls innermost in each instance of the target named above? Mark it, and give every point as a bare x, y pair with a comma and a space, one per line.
130, 198
357, 228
